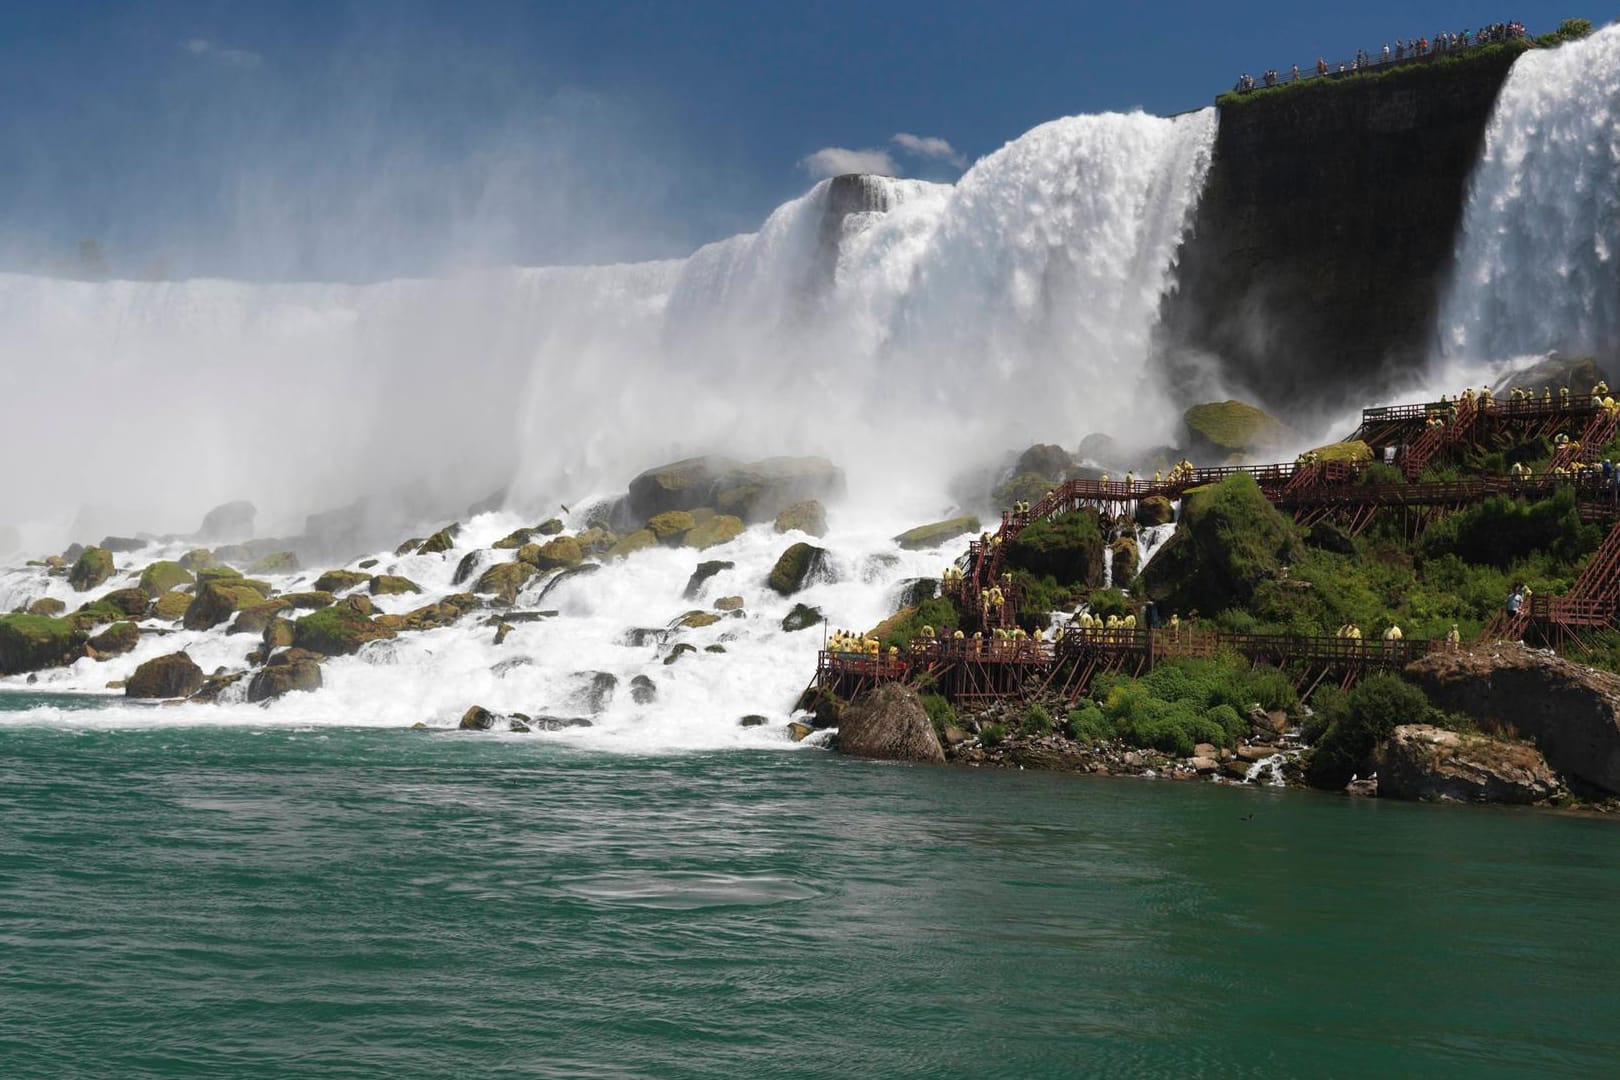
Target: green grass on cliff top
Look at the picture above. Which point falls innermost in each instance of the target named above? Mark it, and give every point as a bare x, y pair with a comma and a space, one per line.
1435, 65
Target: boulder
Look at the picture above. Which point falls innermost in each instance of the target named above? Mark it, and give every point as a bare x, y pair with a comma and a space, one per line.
312, 600
924, 537
219, 573
559, 723
277, 635
279, 562
228, 521
753, 720
440, 542
1229, 540
160, 577
564, 551
914, 592
47, 605
1022, 487
513, 540
714, 531
1044, 459
640, 540
1223, 429
504, 580
443, 613
198, 559
171, 606
215, 685
802, 617
217, 601
670, 526
33, 642
679, 651
643, 691
1125, 557
889, 724
598, 693
406, 547
696, 620
807, 516
121, 545
549, 527
389, 585
477, 718
94, 566
597, 541
295, 669
336, 581
704, 571
1353, 452
680, 485
1571, 712
116, 640
1154, 510
132, 602
796, 567
1419, 761
753, 492
172, 676
254, 619
729, 603
338, 630
1067, 548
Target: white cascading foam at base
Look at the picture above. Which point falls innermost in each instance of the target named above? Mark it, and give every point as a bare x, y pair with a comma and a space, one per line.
1538, 262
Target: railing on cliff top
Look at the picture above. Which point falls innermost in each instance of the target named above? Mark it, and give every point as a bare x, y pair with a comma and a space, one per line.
1349, 69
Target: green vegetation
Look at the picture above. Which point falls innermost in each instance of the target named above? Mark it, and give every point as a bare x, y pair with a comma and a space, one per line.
160, 577
31, 642
907, 623
1347, 727
1233, 427
1179, 704
941, 713
1416, 71
1229, 541
924, 537
1568, 30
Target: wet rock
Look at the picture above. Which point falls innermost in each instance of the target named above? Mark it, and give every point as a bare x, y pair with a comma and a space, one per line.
716, 648
916, 591
517, 725
121, 545
559, 723
477, 718
389, 585
336, 581
670, 526
217, 601
640, 540
280, 562
679, 651
696, 620
753, 720
640, 637
754, 492
571, 574
172, 676
808, 516
439, 542
160, 577
1420, 761
94, 566
799, 731
729, 603
132, 602
406, 547
504, 580
198, 559
278, 634
562, 552
1221, 429
501, 631
295, 669
1044, 459
117, 639
1362, 788
171, 606
1203, 765
924, 537
796, 568
48, 606
549, 527
254, 619
506, 667
467, 567
1154, 510
802, 617
513, 540
714, 531
889, 724
704, 571
598, 694
228, 521
339, 630
643, 691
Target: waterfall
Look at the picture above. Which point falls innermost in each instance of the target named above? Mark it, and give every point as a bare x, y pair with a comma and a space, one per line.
1538, 261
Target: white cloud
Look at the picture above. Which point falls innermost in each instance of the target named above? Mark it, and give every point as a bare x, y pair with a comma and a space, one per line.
213, 50
837, 160
930, 146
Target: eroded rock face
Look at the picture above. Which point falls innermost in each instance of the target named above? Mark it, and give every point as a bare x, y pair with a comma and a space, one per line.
172, 676
1571, 712
889, 724
32, 642
1420, 761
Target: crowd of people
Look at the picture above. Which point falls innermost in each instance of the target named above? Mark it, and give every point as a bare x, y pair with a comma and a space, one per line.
1404, 49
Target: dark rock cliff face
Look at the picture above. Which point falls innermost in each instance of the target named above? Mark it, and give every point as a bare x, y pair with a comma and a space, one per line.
1319, 251
854, 193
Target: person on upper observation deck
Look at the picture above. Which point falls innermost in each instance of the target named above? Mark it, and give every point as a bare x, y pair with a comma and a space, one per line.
1321, 66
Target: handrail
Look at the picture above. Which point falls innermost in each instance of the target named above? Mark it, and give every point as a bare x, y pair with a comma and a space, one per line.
1344, 69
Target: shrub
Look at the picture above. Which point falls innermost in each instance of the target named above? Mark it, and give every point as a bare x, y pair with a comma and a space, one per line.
1358, 722
993, 735
940, 712
1037, 721
1087, 724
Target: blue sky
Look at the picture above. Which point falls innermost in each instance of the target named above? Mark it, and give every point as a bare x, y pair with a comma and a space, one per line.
369, 139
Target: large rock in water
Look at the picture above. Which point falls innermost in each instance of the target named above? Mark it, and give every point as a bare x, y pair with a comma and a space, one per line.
1572, 712
889, 724
795, 568
933, 535
1229, 540
294, 669
1221, 429
95, 566
753, 492
217, 601
32, 642
1419, 761
340, 629
172, 676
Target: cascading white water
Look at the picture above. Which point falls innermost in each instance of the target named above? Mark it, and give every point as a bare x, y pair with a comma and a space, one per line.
1538, 263
1012, 307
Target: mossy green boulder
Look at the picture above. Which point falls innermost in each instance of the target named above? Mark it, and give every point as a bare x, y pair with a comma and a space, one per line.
198, 559
217, 573
562, 552
253, 619
1226, 428
439, 542
172, 676
670, 526
1067, 550
795, 567
1230, 539
729, 603
504, 580
132, 602
714, 531
1352, 452
1024, 487
280, 562
47, 605
1125, 554
116, 640
807, 516
309, 601
339, 630
696, 620
295, 669
802, 617
390, 585
336, 581
513, 540
549, 527
171, 606
597, 541
924, 537
640, 540
217, 601
33, 642
94, 566
160, 577
1154, 510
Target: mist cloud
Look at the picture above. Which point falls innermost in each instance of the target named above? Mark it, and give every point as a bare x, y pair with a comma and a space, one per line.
838, 160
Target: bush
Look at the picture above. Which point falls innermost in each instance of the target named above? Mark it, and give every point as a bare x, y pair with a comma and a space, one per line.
940, 712
993, 735
1037, 721
1087, 724
1500, 531
1358, 722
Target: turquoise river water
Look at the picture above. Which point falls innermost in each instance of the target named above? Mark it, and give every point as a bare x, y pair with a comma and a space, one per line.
332, 902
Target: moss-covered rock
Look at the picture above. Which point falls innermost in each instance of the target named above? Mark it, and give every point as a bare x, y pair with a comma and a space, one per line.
33, 642
295, 669
116, 640
549, 527
1023, 487
714, 531
217, 601
1154, 510
640, 540
562, 552
754, 492
802, 617
198, 559
278, 562
1045, 459
1352, 452
132, 602
253, 619
924, 537
171, 606
218, 573
513, 540
806, 516
279, 634
795, 567
336, 581
338, 630
1222, 429
312, 600
670, 526
1125, 558
94, 566
389, 585
729, 603
160, 577
1229, 540
696, 620
1067, 548
49, 606
597, 541
504, 580
172, 676
443, 613
704, 571
440, 542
